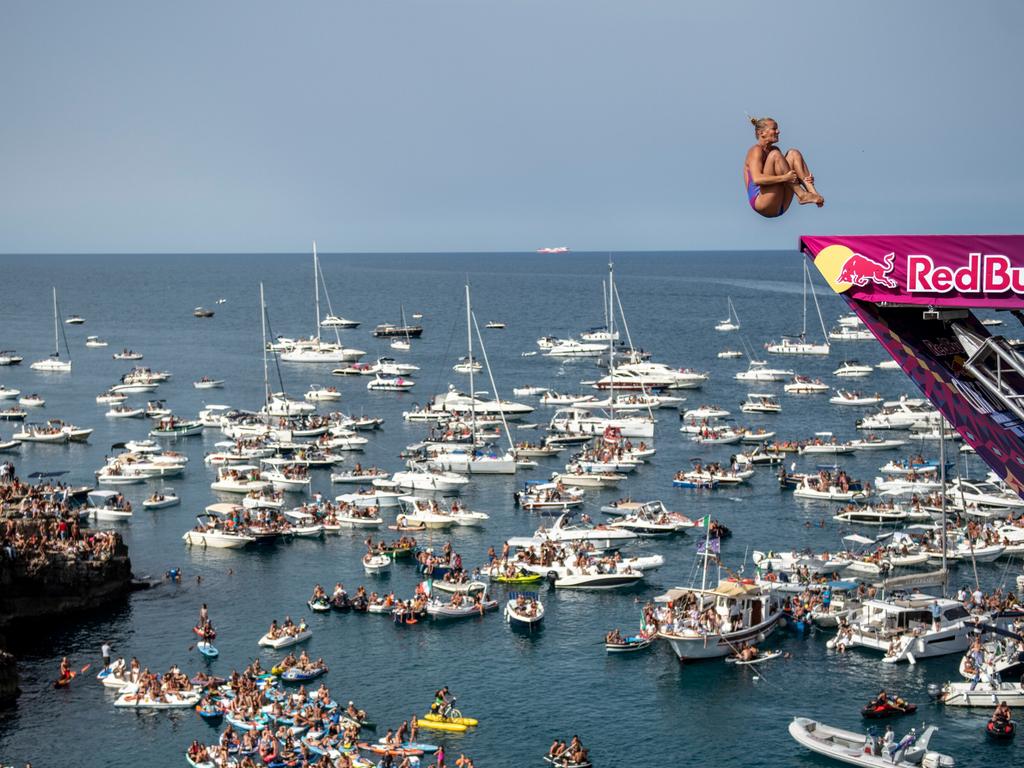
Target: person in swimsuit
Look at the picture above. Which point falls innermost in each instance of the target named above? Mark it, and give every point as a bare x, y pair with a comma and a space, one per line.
773, 179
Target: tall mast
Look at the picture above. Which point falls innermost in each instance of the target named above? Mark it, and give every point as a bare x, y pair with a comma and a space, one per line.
56, 339
803, 335
609, 325
942, 501
316, 289
472, 392
263, 323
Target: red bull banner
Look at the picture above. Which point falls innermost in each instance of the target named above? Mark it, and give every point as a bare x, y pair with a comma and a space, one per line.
983, 271
899, 286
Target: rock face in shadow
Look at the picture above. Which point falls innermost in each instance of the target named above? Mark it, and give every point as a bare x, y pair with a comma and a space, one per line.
43, 586
8, 678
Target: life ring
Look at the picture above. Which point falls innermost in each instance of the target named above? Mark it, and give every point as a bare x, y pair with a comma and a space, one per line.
771, 577
748, 581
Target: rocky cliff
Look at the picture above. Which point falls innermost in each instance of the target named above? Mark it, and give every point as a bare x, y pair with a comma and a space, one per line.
37, 586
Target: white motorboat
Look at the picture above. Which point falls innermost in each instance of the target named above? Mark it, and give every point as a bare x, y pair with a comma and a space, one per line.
41, 433
390, 384
582, 479
335, 321
591, 577
127, 354
804, 385
888, 365
852, 369
375, 564
982, 694
54, 363
108, 506
430, 481
31, 401
467, 364
8, 393
95, 342
523, 609
555, 398
135, 387
528, 391
761, 403
847, 333
729, 354
857, 749
812, 489
207, 383
988, 493
238, 478
74, 320
212, 530
282, 405
705, 412
868, 514
579, 421
110, 396
648, 376
173, 427
359, 476
9, 357
564, 530
904, 628
285, 639
846, 397
125, 412
322, 394
758, 370
285, 475
161, 499
872, 443
732, 322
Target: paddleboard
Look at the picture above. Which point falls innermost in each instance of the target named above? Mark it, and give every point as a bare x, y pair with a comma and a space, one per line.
764, 657
438, 725
208, 650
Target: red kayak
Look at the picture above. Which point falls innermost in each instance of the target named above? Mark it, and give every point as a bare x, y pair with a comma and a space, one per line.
202, 635
887, 710
1002, 729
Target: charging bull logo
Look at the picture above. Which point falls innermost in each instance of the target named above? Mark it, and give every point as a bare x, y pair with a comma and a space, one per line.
843, 268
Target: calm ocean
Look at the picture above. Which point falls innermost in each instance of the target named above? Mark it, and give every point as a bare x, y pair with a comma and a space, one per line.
525, 690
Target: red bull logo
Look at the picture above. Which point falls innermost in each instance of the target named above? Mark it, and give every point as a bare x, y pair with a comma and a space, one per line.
843, 268
860, 270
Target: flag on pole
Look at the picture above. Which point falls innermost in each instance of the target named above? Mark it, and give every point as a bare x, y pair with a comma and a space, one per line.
704, 522
713, 545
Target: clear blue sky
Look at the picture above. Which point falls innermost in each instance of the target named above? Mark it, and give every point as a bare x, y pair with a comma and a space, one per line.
437, 125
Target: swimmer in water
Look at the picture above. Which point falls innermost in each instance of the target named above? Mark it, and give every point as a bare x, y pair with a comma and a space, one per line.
773, 179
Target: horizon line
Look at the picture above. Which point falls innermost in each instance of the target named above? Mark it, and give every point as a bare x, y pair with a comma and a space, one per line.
597, 252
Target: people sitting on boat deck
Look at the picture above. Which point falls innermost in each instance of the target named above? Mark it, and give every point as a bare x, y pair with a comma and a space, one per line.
318, 594
556, 750
614, 638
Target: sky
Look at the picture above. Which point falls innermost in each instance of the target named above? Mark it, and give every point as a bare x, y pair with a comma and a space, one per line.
483, 125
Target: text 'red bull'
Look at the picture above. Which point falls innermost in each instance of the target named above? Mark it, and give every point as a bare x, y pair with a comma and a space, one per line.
988, 273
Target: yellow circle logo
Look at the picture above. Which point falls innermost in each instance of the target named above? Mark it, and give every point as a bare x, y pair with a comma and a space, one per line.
830, 262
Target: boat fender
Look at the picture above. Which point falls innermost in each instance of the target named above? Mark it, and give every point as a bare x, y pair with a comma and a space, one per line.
552, 576
748, 581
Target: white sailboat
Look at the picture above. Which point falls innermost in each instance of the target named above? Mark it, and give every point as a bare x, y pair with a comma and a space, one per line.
315, 349
470, 458
405, 344
799, 345
732, 322
54, 363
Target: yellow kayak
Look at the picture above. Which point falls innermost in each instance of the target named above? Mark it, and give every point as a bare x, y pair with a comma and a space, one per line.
440, 725
526, 579
457, 720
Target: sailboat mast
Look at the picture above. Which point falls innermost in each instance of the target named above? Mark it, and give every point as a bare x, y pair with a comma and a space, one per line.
316, 289
263, 324
609, 325
472, 391
803, 334
942, 498
56, 339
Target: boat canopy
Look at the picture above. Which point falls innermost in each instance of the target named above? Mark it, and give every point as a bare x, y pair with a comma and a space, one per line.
916, 294
224, 508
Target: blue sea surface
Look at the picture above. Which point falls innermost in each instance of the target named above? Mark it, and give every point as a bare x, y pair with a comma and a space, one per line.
526, 690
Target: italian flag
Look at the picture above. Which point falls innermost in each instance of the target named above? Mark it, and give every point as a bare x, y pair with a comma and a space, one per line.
704, 522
